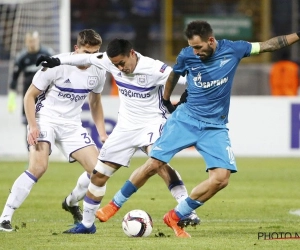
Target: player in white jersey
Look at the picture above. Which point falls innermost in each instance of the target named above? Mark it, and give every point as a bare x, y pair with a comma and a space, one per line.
141, 117
55, 119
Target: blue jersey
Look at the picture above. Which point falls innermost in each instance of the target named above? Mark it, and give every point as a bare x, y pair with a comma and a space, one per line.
209, 82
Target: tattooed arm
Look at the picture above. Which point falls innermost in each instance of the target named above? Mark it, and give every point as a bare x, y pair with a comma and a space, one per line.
170, 85
278, 42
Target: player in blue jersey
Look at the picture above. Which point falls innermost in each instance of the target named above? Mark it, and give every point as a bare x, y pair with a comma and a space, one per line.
209, 65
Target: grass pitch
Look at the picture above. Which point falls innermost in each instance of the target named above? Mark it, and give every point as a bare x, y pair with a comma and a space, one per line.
256, 202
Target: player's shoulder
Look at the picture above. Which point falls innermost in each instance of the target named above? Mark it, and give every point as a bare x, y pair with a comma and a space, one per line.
233, 44
99, 71
149, 64
186, 52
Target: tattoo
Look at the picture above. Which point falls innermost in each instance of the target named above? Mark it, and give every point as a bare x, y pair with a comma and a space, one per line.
170, 85
274, 44
173, 78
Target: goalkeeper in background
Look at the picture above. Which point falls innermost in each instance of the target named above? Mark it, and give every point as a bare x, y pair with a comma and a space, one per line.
25, 63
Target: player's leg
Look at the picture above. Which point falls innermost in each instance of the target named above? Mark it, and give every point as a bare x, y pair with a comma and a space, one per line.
114, 149
218, 179
140, 176
95, 193
129, 188
87, 157
131, 140
214, 145
178, 190
77, 145
38, 164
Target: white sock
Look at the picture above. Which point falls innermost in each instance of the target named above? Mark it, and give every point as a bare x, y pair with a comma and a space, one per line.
89, 211
19, 191
79, 191
179, 193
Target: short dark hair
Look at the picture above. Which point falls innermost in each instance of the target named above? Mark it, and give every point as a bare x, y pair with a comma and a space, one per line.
118, 47
198, 28
90, 37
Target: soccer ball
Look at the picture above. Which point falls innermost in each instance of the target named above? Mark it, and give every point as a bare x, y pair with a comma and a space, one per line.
137, 223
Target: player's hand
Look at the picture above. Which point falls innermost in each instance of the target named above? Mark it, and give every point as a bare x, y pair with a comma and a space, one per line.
48, 62
168, 105
182, 98
33, 134
11, 101
103, 137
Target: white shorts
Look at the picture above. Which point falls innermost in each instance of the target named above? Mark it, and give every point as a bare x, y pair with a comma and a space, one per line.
67, 137
122, 144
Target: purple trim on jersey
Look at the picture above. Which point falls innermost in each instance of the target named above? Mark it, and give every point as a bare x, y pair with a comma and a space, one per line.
160, 129
161, 106
74, 160
74, 90
125, 85
41, 98
31, 176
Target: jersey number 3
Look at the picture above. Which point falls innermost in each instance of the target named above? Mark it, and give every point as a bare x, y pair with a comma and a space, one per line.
87, 138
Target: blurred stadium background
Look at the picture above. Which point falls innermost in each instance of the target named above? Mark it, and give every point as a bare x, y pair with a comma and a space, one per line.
263, 125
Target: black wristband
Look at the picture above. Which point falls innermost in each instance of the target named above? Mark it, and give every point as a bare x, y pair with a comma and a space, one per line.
298, 34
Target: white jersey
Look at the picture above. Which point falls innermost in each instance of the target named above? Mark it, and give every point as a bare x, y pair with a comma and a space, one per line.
140, 92
64, 91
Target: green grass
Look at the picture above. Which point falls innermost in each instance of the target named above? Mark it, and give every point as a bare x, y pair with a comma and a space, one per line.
258, 199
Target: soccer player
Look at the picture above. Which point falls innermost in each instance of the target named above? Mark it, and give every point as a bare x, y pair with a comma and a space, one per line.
141, 118
56, 119
25, 63
210, 66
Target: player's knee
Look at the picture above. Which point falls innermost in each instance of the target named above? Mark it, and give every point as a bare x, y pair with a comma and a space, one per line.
153, 166
38, 170
98, 178
104, 169
219, 182
96, 190
101, 173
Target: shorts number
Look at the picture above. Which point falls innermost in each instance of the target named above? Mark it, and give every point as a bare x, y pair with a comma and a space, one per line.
86, 138
230, 155
151, 134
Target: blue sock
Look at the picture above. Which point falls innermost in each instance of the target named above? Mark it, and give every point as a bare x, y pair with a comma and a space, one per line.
186, 207
124, 193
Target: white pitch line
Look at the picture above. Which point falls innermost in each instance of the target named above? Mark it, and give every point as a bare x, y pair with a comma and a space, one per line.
295, 212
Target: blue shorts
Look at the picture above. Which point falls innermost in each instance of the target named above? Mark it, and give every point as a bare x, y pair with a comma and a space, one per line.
210, 140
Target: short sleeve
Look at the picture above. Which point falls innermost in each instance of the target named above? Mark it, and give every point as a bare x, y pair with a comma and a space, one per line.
44, 77
180, 66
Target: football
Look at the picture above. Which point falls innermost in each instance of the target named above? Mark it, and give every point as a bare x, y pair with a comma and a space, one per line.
137, 223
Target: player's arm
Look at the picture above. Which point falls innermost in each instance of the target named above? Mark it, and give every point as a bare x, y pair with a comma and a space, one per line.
29, 106
275, 43
73, 60
98, 114
169, 87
